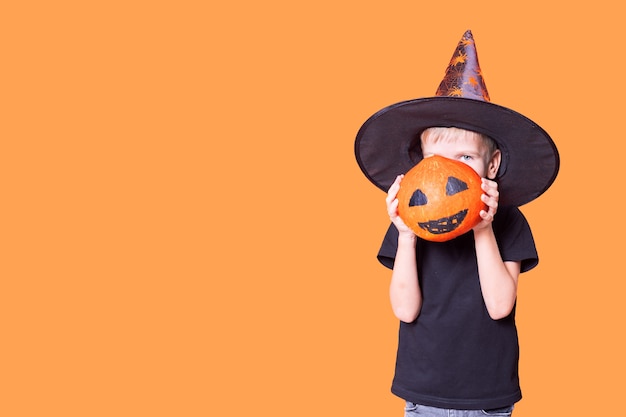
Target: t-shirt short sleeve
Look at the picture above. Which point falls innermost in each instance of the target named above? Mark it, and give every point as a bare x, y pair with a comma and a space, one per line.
515, 238
387, 252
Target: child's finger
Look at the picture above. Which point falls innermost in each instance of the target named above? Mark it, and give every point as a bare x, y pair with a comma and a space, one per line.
393, 190
490, 188
392, 208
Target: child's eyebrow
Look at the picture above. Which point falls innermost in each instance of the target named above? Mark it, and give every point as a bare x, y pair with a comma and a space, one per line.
472, 152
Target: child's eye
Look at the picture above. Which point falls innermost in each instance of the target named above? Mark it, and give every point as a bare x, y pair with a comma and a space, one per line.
466, 157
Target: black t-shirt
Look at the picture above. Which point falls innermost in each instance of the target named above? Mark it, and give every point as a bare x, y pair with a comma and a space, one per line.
454, 355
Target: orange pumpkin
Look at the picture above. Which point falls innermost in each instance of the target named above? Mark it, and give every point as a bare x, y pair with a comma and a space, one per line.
439, 198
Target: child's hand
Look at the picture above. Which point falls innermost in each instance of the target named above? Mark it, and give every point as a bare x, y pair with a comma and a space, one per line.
392, 208
490, 198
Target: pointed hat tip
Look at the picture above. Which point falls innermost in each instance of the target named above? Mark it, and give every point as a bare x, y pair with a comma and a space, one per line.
463, 75
468, 36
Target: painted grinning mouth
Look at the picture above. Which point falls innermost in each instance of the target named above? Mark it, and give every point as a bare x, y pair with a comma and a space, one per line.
445, 224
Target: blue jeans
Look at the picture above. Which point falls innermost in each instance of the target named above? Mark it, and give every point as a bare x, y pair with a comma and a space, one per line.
416, 410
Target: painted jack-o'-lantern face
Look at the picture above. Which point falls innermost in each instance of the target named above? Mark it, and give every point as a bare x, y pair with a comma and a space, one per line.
439, 199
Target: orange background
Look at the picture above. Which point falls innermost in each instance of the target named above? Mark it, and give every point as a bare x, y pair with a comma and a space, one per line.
185, 231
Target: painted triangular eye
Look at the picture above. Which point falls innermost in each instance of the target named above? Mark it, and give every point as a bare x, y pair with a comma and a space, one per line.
455, 186
418, 199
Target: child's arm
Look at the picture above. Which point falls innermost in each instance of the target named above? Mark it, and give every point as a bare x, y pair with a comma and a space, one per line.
404, 291
498, 279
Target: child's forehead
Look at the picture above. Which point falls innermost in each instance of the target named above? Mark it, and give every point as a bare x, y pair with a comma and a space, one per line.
450, 135
469, 140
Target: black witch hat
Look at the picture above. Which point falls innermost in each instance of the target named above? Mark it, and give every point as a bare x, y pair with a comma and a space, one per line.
388, 143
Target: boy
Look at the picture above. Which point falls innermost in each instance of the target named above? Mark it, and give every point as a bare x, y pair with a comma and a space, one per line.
458, 347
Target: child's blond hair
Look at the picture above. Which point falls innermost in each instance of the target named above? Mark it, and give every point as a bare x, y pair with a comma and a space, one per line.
436, 134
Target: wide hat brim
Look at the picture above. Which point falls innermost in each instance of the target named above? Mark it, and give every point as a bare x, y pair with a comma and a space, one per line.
388, 143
